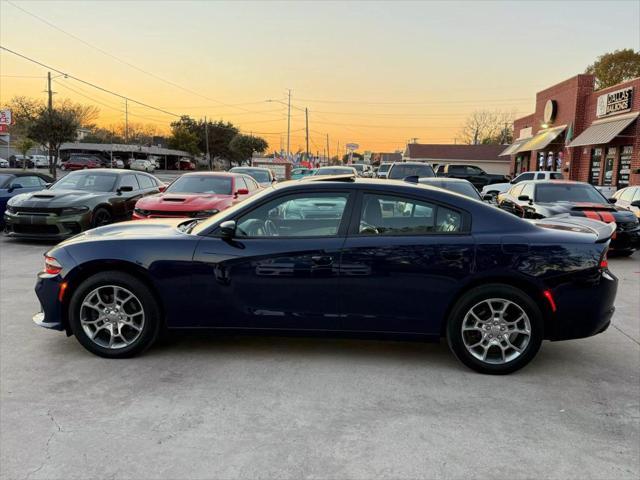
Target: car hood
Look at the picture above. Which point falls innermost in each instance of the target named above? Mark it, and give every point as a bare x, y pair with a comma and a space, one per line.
605, 212
135, 229
178, 202
56, 198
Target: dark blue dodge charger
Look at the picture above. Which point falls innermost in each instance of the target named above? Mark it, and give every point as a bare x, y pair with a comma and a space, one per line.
338, 255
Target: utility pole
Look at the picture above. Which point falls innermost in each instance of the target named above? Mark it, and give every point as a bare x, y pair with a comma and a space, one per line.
338, 152
328, 154
126, 121
52, 168
306, 119
206, 141
289, 126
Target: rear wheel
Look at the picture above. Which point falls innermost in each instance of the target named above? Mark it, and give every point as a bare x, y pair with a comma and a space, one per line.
495, 329
114, 315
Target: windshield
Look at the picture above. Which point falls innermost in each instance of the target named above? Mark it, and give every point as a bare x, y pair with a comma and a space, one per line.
463, 188
259, 176
567, 192
333, 171
201, 184
4, 178
384, 167
400, 171
93, 182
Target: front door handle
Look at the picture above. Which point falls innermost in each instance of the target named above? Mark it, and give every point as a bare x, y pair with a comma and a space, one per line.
322, 260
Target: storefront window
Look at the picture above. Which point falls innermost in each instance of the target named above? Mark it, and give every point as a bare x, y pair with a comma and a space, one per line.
609, 160
596, 165
624, 167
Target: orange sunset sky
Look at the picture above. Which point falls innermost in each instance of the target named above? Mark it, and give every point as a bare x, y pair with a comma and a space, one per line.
373, 73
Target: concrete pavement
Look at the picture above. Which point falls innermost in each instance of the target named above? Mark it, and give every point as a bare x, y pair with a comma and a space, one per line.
205, 406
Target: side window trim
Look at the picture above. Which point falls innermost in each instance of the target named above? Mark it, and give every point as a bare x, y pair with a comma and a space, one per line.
356, 214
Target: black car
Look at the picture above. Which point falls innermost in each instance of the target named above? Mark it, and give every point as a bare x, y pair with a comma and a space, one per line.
457, 185
338, 255
542, 199
474, 174
399, 171
15, 182
78, 201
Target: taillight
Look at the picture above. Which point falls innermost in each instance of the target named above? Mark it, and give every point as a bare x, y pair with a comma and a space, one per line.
52, 266
603, 261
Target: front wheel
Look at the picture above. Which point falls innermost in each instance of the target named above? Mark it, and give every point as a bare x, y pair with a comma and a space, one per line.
101, 216
114, 315
495, 329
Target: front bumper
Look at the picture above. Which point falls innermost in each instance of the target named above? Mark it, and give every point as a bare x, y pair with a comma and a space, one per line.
584, 308
47, 290
49, 226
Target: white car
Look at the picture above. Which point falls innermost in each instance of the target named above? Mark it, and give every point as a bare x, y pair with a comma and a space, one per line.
40, 161
4, 163
143, 165
497, 188
383, 170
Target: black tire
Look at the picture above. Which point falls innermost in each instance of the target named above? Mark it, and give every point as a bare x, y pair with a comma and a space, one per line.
475, 297
152, 316
101, 216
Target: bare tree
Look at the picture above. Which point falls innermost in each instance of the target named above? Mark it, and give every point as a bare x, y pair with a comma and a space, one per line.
488, 127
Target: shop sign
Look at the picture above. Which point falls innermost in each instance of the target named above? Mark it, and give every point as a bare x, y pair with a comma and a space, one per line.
5, 117
611, 103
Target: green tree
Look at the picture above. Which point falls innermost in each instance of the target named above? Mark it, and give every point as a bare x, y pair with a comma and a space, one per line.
220, 134
52, 129
184, 139
24, 145
356, 157
615, 67
243, 146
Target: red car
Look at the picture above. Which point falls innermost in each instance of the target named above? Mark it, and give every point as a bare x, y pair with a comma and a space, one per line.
197, 195
80, 163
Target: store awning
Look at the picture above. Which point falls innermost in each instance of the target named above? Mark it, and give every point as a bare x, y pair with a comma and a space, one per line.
603, 131
513, 148
540, 140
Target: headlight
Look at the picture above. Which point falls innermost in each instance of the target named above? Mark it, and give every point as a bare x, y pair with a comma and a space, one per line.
74, 210
11, 209
139, 211
204, 213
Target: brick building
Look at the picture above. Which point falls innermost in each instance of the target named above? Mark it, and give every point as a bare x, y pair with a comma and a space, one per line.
591, 136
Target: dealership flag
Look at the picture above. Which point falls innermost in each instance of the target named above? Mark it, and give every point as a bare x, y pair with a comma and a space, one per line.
569, 135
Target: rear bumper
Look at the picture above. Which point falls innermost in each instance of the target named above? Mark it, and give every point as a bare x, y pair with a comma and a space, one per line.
583, 309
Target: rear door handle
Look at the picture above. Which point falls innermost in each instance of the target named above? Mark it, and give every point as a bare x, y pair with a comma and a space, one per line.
323, 260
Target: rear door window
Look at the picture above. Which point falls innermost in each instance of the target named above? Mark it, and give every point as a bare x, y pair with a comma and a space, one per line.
145, 182
129, 180
396, 215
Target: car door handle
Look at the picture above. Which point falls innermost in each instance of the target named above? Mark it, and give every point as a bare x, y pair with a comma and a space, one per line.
323, 260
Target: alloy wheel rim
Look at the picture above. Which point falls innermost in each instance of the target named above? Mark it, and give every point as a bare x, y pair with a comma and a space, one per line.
102, 219
112, 317
496, 331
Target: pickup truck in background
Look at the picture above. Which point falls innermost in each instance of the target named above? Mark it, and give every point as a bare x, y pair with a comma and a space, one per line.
496, 189
478, 177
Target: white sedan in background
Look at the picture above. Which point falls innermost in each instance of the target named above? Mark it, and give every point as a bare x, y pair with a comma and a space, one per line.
143, 165
4, 163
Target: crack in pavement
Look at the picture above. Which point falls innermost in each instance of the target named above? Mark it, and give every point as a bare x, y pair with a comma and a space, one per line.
47, 455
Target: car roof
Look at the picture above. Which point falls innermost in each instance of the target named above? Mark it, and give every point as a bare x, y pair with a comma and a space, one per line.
410, 163
248, 168
443, 180
555, 182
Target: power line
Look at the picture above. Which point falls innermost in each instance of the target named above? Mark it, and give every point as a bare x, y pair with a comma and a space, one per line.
445, 102
129, 64
68, 75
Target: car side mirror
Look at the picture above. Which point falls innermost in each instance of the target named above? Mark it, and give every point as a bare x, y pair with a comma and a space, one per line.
228, 229
162, 188
612, 200
47, 186
487, 197
524, 198
274, 180
125, 188
242, 191
635, 203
